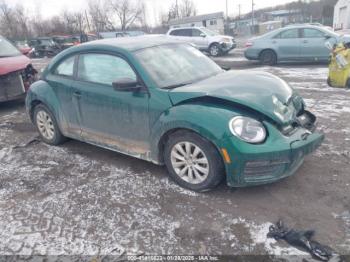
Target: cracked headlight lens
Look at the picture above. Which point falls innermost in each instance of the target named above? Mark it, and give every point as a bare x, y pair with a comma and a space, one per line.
283, 112
248, 129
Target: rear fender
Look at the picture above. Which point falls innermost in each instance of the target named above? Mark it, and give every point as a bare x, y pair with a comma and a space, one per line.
41, 92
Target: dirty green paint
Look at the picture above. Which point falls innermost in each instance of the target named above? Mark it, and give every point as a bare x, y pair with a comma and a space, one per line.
134, 123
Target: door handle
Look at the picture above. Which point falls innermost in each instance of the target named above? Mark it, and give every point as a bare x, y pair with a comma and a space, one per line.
305, 41
77, 94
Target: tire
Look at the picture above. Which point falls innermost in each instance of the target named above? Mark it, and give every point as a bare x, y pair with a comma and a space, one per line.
268, 57
215, 50
348, 84
329, 82
203, 170
47, 126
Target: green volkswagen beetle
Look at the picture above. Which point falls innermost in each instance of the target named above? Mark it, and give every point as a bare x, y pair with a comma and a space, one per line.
163, 101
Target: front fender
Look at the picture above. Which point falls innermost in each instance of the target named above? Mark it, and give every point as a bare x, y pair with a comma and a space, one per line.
208, 120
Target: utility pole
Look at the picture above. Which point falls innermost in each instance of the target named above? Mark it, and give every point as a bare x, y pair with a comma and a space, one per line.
227, 8
253, 23
177, 9
239, 11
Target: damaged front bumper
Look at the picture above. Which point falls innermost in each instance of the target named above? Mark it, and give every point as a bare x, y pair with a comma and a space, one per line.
278, 157
14, 85
227, 46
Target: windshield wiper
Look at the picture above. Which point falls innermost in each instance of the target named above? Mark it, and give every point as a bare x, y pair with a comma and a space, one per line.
176, 86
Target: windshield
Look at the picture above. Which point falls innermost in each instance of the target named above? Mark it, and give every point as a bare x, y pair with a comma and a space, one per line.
176, 64
7, 49
47, 42
209, 32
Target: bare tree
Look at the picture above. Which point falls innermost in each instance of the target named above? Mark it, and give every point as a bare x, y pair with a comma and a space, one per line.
7, 21
100, 15
128, 12
187, 8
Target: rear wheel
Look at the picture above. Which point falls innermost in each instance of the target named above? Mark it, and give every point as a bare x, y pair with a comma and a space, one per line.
329, 82
268, 57
348, 83
47, 126
193, 162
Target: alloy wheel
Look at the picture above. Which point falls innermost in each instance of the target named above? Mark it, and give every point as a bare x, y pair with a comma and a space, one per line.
189, 162
45, 125
214, 50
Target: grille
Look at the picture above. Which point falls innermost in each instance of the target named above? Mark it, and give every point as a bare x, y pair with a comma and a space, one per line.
11, 85
265, 168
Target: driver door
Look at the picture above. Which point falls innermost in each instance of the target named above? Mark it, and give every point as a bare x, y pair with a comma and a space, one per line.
287, 44
313, 45
114, 119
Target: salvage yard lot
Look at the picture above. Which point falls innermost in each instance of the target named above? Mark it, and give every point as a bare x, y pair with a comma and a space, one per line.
78, 199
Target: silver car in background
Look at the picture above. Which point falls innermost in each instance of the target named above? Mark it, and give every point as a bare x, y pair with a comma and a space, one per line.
299, 43
204, 39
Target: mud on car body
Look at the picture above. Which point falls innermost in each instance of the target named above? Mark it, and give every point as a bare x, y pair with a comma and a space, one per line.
16, 72
166, 102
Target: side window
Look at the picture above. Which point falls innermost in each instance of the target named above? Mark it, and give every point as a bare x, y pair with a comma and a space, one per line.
174, 32
66, 68
313, 33
185, 32
288, 34
196, 33
103, 69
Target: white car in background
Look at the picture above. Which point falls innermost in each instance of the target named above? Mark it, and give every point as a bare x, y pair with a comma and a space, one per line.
204, 39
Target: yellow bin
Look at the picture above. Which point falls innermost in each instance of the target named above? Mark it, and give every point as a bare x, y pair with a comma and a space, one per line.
339, 67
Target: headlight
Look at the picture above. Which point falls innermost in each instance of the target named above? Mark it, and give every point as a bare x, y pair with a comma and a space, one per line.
248, 129
226, 40
283, 112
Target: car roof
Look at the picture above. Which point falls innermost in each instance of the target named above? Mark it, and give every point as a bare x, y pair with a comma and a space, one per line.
132, 43
187, 27
303, 26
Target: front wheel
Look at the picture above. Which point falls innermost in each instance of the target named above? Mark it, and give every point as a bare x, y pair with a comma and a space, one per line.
193, 162
214, 50
47, 126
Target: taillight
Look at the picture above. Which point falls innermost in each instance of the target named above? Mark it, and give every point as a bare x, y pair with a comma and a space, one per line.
248, 44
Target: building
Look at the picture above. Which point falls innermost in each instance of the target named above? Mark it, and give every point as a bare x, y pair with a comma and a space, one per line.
341, 18
285, 16
243, 27
214, 21
269, 26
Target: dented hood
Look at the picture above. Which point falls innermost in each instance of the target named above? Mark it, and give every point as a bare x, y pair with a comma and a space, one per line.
13, 63
252, 89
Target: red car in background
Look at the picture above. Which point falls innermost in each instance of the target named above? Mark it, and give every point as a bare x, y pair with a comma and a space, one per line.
16, 72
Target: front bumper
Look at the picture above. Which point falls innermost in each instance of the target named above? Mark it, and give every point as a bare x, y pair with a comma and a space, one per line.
279, 157
11, 86
227, 47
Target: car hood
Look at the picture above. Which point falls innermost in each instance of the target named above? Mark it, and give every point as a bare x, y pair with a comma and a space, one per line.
253, 89
222, 36
13, 63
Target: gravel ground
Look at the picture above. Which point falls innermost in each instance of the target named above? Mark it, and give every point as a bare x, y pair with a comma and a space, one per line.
78, 199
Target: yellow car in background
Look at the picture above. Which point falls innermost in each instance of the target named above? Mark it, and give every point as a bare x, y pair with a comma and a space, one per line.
339, 66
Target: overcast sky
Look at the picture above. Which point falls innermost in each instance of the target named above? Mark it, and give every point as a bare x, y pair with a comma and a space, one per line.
154, 7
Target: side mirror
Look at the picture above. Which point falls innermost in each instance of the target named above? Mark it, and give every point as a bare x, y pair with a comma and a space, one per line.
327, 36
126, 85
203, 35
